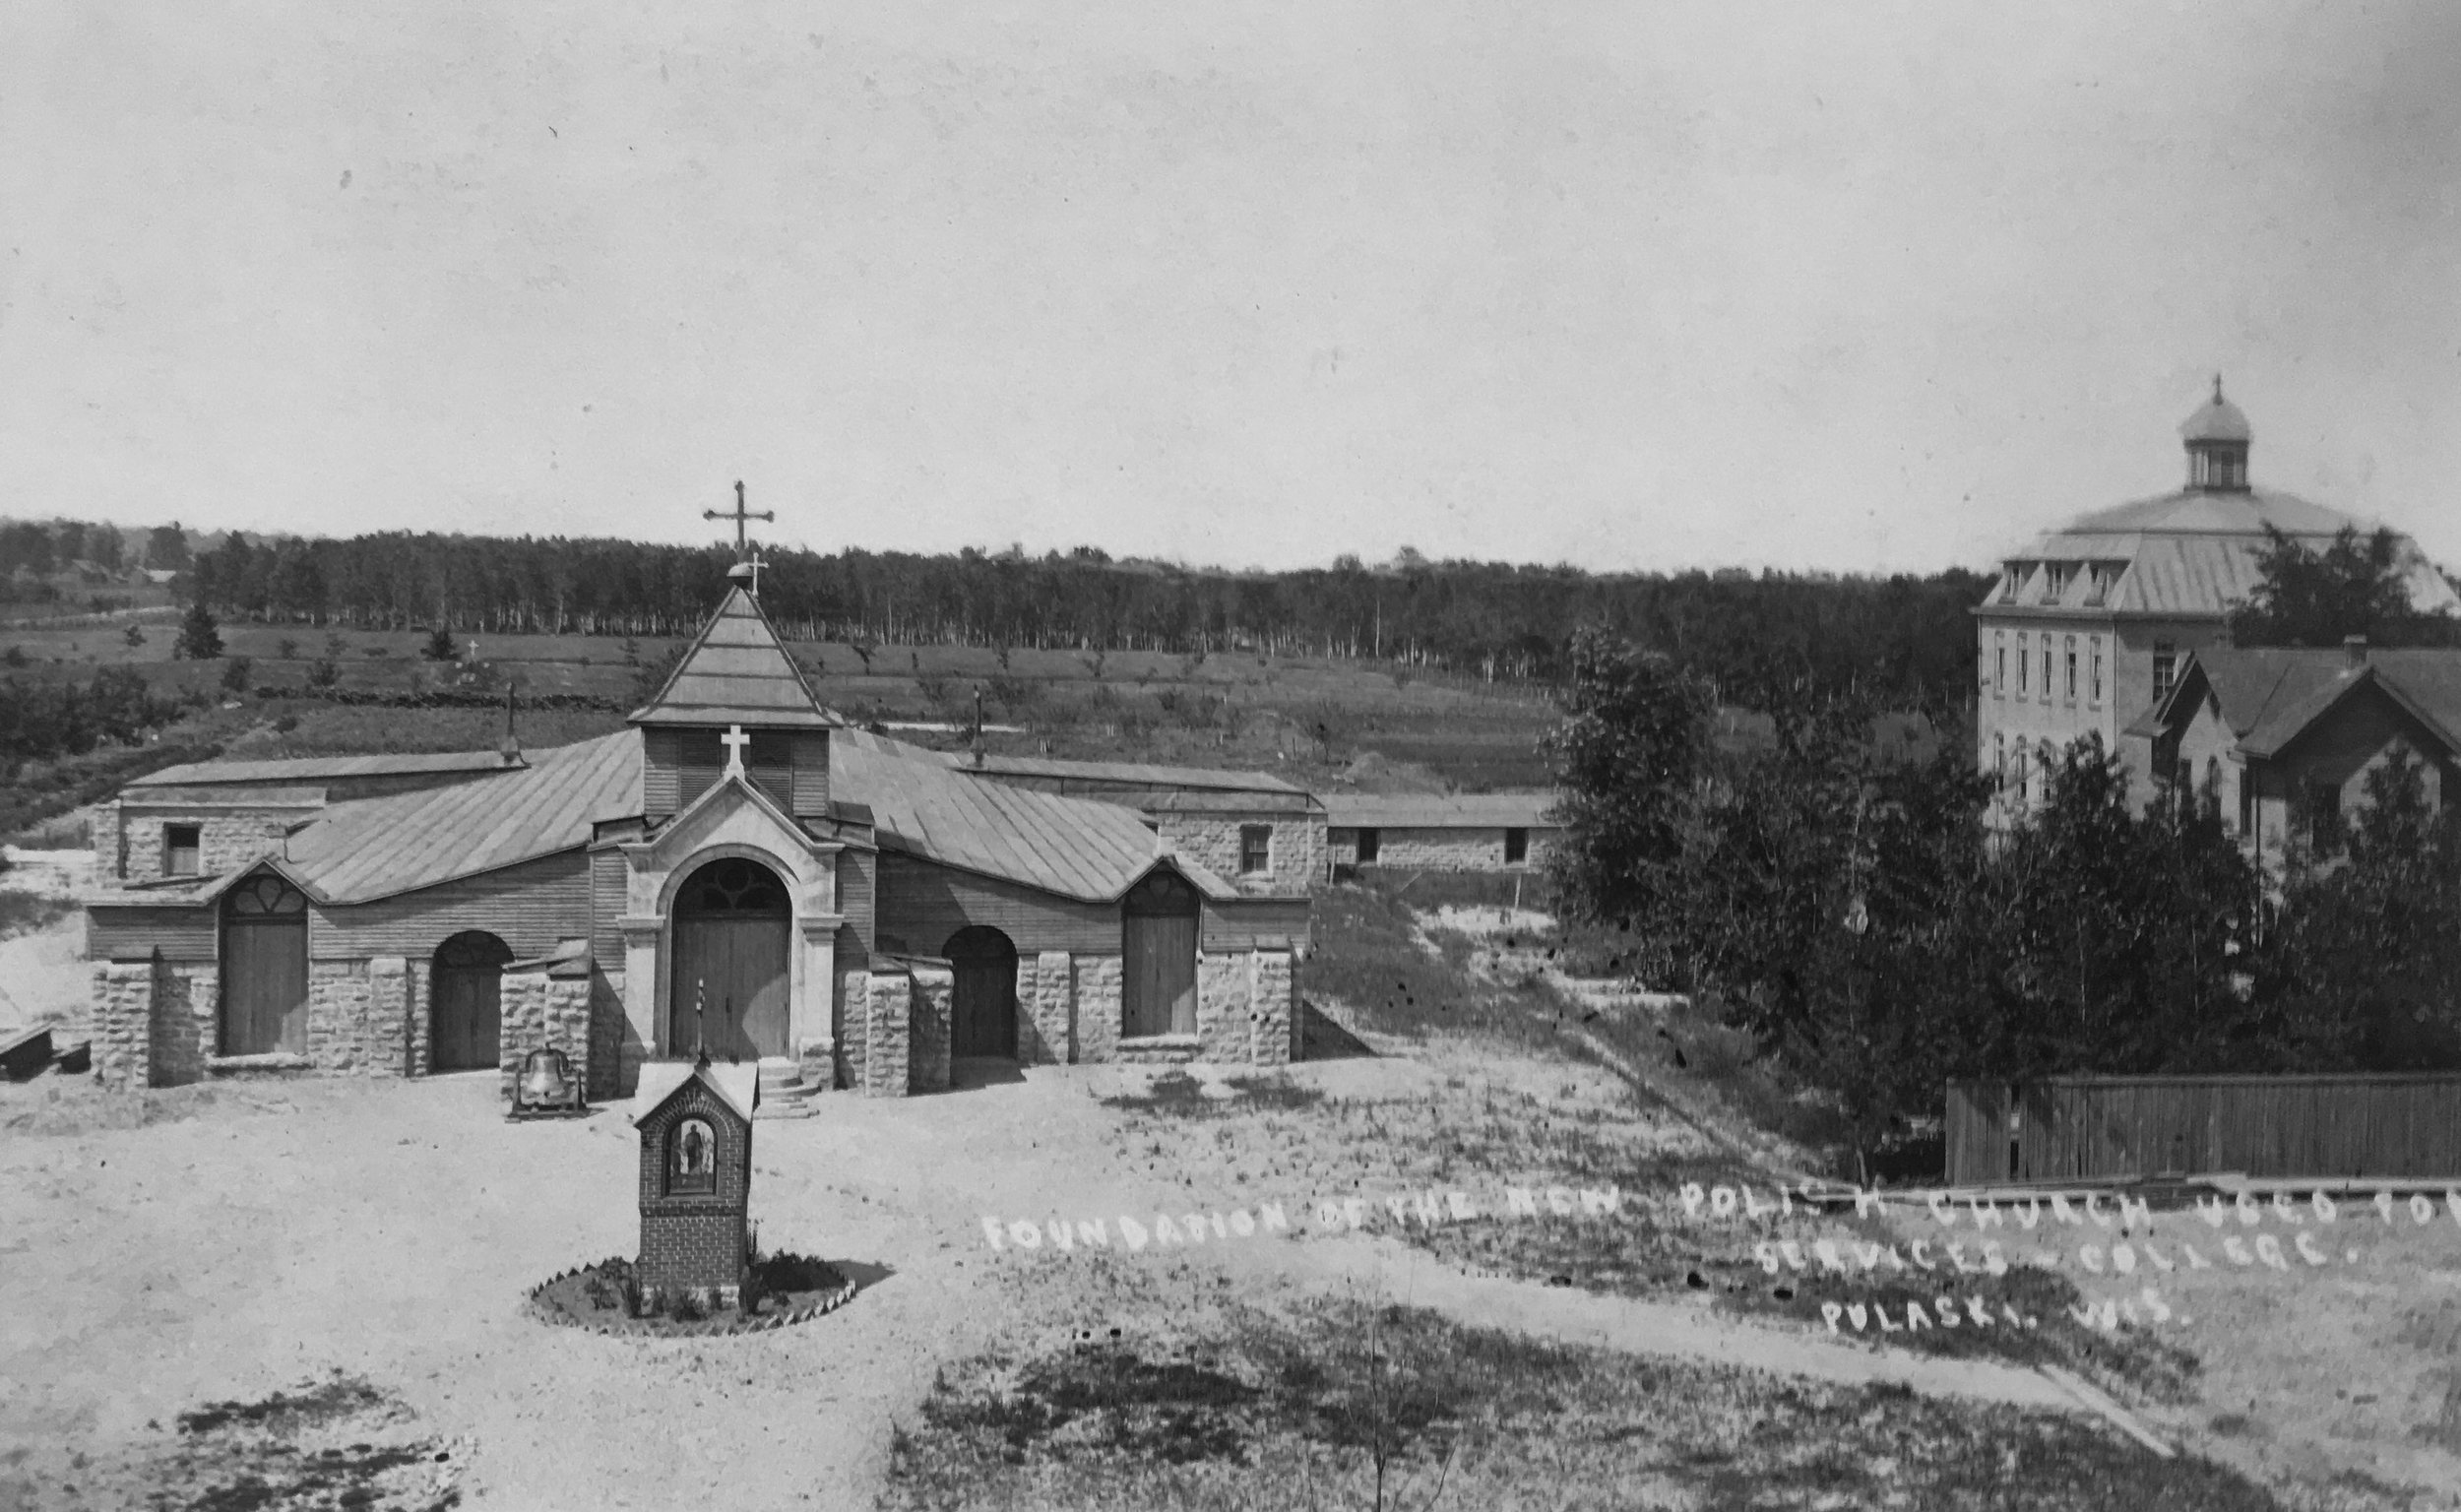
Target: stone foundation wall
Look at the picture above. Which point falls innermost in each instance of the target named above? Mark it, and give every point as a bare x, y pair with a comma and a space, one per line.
123, 1023
855, 1036
1097, 1004
341, 1036
187, 1020
888, 1038
1047, 1010
418, 1029
1273, 998
541, 1010
226, 839
1222, 1030
1443, 849
1297, 850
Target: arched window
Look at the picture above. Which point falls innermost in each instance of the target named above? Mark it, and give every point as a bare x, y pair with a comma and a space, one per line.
691, 1158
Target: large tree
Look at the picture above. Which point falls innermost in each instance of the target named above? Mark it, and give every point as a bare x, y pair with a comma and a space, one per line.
2352, 587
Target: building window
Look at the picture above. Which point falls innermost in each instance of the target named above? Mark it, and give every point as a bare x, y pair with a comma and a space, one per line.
2000, 672
2024, 662
2045, 669
2164, 668
2071, 652
1367, 847
1516, 847
1256, 848
2056, 584
2246, 802
2324, 818
2025, 776
1999, 759
2097, 683
180, 846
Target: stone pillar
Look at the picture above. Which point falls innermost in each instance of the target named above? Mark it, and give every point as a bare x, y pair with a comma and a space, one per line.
389, 1016
181, 1037
641, 988
1046, 1020
887, 1036
522, 1025
934, 1007
418, 986
567, 1014
1273, 997
1098, 1007
812, 1036
1223, 1033
123, 1023
853, 1043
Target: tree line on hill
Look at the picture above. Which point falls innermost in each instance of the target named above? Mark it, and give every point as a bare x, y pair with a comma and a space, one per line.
1477, 620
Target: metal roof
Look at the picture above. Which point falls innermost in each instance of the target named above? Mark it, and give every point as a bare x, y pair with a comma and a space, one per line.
2271, 696
924, 808
376, 847
2217, 420
1422, 812
216, 795
316, 769
1127, 773
737, 1086
736, 672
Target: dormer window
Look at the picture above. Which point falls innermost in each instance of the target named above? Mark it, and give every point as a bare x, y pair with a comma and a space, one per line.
2056, 579
2014, 580
2097, 584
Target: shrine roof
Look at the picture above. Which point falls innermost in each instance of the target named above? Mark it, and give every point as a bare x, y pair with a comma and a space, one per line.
735, 671
737, 1086
376, 847
922, 806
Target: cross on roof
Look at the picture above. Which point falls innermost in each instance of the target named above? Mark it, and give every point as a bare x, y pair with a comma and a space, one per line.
741, 517
735, 740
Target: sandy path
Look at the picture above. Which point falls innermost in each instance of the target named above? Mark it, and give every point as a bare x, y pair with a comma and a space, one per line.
392, 1228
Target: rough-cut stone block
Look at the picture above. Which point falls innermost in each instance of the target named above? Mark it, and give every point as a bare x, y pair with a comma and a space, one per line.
421, 1031
388, 1015
123, 1023
1221, 1023
1272, 997
1098, 1008
854, 1043
1046, 1033
522, 1025
889, 1036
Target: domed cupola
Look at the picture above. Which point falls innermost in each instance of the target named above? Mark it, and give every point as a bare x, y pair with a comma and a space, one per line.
2218, 437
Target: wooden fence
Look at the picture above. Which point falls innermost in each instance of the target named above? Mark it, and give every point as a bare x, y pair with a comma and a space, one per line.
2094, 1128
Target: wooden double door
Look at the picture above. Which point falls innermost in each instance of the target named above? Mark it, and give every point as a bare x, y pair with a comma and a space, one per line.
984, 1005
466, 1002
1158, 939
732, 936
265, 968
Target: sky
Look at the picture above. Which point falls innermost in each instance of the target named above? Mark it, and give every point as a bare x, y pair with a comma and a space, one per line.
1820, 287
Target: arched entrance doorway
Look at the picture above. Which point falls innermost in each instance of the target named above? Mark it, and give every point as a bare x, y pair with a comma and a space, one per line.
465, 1011
265, 968
984, 1011
732, 923
1157, 929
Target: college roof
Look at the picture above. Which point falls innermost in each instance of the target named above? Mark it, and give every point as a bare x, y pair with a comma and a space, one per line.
736, 672
1128, 773
2270, 696
319, 769
2192, 553
1421, 811
924, 808
375, 848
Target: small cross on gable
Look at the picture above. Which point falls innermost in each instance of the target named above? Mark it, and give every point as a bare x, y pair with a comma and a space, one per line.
735, 740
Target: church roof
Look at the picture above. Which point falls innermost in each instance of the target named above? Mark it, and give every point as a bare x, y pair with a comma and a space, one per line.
922, 807
736, 672
376, 847
300, 769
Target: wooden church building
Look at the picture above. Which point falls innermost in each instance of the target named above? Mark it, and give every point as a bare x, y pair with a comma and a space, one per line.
738, 870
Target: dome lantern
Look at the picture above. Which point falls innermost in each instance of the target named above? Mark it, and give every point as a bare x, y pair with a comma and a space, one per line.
2218, 437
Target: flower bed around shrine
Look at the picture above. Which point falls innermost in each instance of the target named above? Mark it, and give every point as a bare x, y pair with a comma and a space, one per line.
606, 1298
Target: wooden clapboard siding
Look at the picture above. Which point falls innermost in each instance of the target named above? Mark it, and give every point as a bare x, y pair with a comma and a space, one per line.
810, 777
661, 772
115, 933
1241, 924
859, 878
608, 871
530, 908
2104, 1128
922, 904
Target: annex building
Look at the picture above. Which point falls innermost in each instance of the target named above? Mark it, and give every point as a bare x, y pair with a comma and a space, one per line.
2088, 626
737, 871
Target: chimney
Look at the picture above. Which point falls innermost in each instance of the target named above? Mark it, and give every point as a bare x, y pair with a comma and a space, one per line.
511, 749
2354, 652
